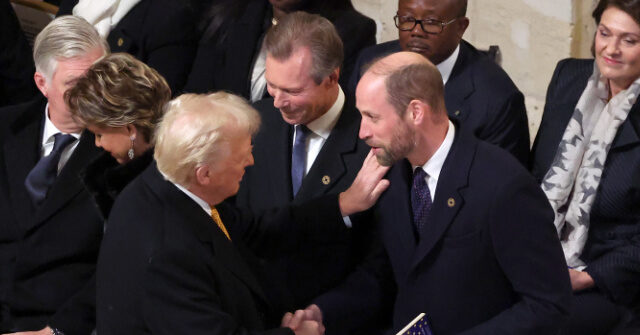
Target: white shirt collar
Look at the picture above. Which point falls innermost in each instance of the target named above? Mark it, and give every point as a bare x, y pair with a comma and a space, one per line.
203, 204
434, 165
50, 129
446, 66
323, 125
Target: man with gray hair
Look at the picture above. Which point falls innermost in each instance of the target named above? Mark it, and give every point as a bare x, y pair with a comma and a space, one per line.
308, 146
50, 230
180, 265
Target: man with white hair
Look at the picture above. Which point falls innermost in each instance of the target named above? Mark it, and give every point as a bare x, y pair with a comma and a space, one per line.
50, 230
174, 260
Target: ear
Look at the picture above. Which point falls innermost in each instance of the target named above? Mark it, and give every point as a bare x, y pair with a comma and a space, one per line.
417, 111
334, 76
41, 83
132, 130
462, 24
203, 175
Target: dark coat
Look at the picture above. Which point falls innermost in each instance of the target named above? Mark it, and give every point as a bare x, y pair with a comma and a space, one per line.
478, 94
168, 269
612, 251
160, 33
16, 62
105, 178
48, 253
488, 262
267, 184
227, 63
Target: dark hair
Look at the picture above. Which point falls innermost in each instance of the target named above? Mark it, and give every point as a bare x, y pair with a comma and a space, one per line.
631, 7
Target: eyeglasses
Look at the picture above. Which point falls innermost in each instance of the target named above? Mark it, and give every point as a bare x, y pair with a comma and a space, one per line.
429, 26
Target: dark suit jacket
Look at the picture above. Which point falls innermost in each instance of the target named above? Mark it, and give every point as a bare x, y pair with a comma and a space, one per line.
488, 262
16, 62
48, 253
612, 252
160, 33
267, 184
168, 269
227, 63
478, 94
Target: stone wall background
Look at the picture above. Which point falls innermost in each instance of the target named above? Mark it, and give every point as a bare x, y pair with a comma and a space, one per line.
533, 36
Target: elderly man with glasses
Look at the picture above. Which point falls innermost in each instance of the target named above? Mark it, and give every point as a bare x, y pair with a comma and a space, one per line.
478, 93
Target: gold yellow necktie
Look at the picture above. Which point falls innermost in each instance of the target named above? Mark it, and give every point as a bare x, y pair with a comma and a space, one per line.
216, 218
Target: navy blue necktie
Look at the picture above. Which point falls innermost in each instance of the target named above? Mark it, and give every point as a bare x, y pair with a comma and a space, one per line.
42, 176
420, 200
299, 157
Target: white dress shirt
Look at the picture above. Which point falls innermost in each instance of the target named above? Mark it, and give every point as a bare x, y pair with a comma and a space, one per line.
203, 204
446, 66
434, 165
320, 129
48, 140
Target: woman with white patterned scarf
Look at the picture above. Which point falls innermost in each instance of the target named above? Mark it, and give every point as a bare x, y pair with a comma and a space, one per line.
587, 158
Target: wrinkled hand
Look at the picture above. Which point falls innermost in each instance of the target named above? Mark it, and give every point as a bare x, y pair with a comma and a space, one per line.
366, 188
580, 280
43, 331
307, 321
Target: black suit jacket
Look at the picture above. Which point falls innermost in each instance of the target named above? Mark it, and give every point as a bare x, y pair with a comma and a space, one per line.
226, 63
612, 252
48, 253
160, 33
16, 62
487, 262
267, 184
478, 94
168, 269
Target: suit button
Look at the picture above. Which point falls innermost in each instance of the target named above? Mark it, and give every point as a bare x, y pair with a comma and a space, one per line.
120, 42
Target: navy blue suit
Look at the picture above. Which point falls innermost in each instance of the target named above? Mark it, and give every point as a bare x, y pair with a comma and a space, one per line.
267, 184
487, 262
47, 254
478, 94
612, 251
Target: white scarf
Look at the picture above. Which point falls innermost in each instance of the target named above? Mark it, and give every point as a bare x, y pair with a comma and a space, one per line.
103, 14
572, 181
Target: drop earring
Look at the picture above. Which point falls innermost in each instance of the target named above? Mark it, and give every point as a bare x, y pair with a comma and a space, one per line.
130, 153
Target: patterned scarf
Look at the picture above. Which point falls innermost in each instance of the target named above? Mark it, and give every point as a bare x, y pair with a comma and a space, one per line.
103, 14
572, 181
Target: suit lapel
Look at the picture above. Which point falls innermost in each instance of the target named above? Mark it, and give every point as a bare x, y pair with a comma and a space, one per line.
449, 194
69, 183
459, 86
394, 212
628, 134
186, 211
329, 166
279, 161
22, 152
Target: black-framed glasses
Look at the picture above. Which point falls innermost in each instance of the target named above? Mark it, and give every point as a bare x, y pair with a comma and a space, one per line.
430, 26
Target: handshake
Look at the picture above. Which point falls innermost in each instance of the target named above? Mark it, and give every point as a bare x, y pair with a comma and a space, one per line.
306, 321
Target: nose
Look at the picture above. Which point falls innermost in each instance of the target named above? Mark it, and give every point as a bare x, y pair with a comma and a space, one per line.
279, 99
364, 132
250, 159
612, 47
417, 30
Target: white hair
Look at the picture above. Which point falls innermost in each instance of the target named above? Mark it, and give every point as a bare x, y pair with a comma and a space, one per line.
63, 38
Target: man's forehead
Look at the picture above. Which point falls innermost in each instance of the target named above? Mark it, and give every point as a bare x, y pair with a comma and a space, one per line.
438, 7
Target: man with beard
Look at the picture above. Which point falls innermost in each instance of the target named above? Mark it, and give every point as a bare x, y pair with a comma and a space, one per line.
468, 236
477, 92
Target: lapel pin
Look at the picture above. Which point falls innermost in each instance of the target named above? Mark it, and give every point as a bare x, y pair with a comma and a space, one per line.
457, 112
326, 180
451, 202
120, 42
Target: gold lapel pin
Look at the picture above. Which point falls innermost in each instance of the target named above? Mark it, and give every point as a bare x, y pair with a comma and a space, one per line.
451, 202
120, 42
326, 180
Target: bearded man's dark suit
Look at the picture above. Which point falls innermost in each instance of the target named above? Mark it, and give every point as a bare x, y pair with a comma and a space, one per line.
169, 269
47, 253
478, 94
160, 33
487, 262
612, 250
267, 184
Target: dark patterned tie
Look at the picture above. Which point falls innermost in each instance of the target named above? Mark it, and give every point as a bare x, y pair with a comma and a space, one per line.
420, 200
298, 157
42, 176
